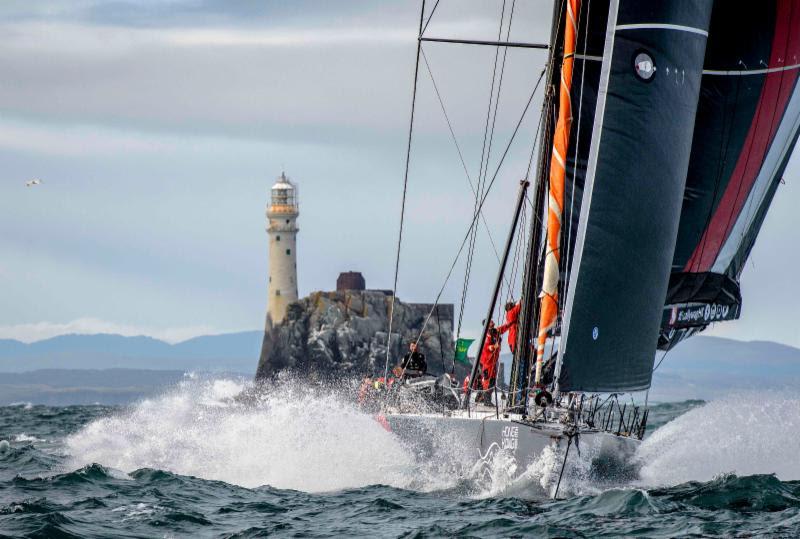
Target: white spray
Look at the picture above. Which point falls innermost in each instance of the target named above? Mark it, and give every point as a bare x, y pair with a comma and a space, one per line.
295, 438
742, 434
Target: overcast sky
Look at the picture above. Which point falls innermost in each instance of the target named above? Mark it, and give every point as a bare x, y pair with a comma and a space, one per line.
157, 129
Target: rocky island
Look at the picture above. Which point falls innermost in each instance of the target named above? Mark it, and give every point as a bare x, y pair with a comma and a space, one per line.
344, 332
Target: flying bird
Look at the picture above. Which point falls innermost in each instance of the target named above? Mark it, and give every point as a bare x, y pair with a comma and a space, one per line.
31, 183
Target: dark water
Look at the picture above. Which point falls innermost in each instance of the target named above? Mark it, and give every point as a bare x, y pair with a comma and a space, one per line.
187, 465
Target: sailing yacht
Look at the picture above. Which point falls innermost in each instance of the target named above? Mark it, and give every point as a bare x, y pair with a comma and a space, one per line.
665, 130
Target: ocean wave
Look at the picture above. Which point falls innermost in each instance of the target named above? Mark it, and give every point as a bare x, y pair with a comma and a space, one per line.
294, 436
745, 434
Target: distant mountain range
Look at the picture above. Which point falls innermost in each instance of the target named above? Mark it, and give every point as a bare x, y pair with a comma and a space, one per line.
237, 352
707, 367
116, 369
60, 387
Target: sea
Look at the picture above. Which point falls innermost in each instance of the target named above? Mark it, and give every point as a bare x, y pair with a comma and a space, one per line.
198, 461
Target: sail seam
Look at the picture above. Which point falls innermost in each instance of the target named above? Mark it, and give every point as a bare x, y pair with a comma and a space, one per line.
717, 72
743, 72
661, 26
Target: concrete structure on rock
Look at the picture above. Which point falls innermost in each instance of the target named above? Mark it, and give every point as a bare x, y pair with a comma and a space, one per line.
350, 280
282, 213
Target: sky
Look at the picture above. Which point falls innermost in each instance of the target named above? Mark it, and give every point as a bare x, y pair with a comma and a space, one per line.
158, 127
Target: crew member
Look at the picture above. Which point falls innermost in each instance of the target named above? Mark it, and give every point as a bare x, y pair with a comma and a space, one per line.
512, 322
490, 354
413, 364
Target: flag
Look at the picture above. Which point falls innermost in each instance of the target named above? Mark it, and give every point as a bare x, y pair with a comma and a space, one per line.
462, 345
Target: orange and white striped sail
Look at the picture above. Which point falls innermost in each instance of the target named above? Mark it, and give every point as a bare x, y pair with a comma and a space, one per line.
549, 295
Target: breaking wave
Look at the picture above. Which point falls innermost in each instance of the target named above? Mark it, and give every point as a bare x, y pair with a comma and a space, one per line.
744, 435
315, 439
294, 436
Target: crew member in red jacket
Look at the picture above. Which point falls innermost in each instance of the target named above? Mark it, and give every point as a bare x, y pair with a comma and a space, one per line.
512, 322
490, 354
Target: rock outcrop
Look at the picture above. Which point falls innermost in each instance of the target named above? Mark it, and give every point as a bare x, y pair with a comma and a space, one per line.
344, 333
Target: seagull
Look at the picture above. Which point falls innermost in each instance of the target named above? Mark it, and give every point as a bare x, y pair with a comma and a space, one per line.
31, 183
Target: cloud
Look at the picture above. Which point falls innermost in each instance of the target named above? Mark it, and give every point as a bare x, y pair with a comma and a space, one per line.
76, 141
37, 331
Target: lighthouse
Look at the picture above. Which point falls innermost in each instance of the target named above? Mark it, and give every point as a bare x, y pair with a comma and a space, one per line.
282, 212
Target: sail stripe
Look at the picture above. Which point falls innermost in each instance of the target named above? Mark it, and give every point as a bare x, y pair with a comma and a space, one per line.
745, 72
775, 158
548, 312
657, 26
716, 72
602, 94
772, 104
558, 157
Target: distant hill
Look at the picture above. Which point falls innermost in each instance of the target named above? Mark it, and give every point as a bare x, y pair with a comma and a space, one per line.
236, 352
706, 367
59, 387
702, 367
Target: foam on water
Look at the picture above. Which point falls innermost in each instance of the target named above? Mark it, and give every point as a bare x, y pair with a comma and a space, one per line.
294, 437
742, 434
314, 439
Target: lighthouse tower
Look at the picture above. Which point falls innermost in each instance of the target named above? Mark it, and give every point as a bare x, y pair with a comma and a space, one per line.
282, 213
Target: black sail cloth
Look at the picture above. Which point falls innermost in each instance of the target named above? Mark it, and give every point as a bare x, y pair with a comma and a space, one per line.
746, 128
639, 155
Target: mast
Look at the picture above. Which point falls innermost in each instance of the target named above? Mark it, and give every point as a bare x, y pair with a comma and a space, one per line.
523, 188
520, 367
548, 313
522, 349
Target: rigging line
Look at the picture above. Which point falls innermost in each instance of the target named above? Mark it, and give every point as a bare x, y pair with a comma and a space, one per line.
483, 201
422, 32
499, 90
403, 202
484, 159
534, 146
458, 149
497, 106
441, 343
517, 249
473, 237
507, 44
662, 360
563, 464
567, 257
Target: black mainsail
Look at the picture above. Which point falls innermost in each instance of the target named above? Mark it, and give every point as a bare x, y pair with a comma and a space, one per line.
714, 126
641, 142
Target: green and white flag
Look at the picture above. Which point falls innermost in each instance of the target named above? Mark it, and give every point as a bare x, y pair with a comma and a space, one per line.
462, 346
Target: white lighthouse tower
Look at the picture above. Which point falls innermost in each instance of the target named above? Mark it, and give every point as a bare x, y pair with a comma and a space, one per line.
282, 213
